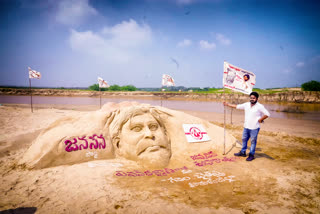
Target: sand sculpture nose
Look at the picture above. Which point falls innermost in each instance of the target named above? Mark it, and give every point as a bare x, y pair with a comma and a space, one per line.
148, 133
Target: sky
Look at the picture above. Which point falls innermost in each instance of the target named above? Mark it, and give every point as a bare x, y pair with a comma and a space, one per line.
133, 42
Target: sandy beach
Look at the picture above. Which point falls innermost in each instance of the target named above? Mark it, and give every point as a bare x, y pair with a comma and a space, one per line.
284, 177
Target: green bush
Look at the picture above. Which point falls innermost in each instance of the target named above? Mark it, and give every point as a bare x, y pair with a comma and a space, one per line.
95, 87
115, 88
311, 86
128, 88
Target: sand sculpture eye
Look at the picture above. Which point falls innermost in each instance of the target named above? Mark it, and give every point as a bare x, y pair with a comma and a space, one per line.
136, 128
153, 127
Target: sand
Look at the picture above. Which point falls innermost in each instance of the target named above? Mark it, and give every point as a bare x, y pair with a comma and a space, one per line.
284, 177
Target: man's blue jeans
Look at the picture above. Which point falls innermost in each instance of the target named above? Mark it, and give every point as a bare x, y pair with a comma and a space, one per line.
249, 133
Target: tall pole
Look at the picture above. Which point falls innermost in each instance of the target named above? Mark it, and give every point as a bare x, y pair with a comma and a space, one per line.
161, 96
231, 108
231, 115
30, 95
100, 96
224, 118
224, 123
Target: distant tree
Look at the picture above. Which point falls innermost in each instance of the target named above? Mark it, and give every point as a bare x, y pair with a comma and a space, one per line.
311, 86
128, 88
95, 87
115, 88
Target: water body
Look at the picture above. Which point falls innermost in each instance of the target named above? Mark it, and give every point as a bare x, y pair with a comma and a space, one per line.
304, 111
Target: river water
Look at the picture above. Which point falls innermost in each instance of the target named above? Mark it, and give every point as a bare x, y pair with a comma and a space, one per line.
304, 111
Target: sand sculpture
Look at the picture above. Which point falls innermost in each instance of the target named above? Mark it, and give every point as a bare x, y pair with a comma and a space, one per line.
150, 136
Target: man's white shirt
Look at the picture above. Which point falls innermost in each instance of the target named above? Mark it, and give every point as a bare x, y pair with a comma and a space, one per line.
253, 114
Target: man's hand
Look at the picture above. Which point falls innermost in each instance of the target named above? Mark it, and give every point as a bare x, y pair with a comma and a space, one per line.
229, 105
262, 118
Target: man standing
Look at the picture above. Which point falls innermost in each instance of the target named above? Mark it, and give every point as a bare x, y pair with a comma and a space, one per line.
255, 113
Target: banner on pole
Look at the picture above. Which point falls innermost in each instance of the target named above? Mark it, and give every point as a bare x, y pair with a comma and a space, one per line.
34, 74
102, 83
195, 133
238, 79
167, 80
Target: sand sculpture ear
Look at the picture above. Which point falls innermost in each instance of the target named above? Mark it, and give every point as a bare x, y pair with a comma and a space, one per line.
116, 146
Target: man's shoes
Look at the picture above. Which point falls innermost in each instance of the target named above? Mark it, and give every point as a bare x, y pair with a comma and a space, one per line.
241, 154
250, 158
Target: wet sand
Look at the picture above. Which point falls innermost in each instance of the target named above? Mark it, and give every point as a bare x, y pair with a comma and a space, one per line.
284, 177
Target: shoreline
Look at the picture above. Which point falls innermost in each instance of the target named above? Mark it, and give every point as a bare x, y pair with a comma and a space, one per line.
279, 97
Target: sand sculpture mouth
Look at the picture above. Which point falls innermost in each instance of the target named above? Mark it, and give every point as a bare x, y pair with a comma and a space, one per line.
152, 149
150, 136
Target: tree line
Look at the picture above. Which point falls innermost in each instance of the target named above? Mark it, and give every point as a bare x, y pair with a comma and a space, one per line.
95, 87
307, 86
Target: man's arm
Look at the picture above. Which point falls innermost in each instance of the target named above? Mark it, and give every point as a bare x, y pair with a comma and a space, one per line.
265, 113
263, 118
230, 105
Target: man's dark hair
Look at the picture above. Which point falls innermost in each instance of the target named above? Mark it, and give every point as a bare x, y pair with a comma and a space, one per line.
254, 94
247, 75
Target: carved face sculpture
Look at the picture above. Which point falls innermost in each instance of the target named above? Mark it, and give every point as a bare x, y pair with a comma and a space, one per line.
143, 139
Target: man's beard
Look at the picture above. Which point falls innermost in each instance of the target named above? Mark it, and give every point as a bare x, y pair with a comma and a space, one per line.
253, 102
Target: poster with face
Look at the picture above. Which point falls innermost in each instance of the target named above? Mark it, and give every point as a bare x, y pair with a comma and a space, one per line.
238, 79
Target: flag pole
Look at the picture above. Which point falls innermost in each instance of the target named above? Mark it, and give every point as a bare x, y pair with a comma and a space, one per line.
224, 118
30, 95
100, 96
231, 108
161, 96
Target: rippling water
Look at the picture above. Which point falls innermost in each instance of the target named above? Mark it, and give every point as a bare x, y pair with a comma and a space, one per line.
294, 111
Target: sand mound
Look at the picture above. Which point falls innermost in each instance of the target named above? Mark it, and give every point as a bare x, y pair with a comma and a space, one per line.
102, 134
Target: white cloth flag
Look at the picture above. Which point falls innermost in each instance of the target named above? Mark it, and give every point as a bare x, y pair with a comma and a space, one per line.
167, 80
102, 83
195, 133
34, 74
238, 79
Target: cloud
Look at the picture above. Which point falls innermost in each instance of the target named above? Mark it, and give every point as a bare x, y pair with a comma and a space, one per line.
73, 12
300, 64
222, 39
206, 45
116, 44
184, 43
128, 34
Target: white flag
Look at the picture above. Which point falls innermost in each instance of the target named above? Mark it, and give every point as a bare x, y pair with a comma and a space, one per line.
34, 74
102, 83
238, 79
167, 80
195, 133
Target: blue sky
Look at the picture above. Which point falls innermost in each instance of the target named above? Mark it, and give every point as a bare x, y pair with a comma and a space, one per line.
72, 42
